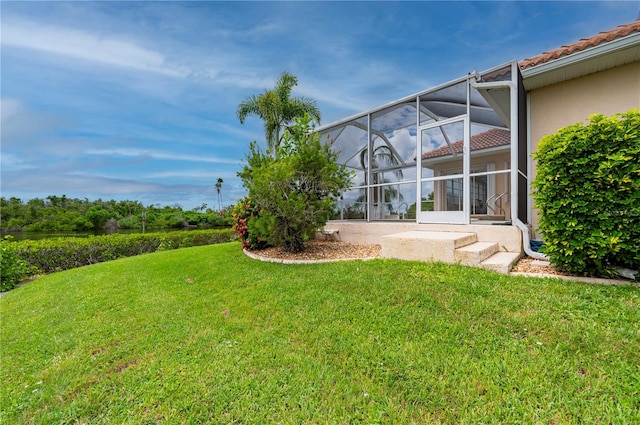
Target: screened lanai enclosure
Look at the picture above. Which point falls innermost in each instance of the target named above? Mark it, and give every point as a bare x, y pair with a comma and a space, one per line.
446, 155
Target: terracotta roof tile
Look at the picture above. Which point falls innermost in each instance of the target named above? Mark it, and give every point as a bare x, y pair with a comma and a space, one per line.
489, 139
582, 44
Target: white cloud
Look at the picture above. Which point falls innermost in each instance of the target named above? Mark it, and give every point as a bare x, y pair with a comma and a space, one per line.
84, 45
154, 154
19, 122
9, 108
11, 162
197, 174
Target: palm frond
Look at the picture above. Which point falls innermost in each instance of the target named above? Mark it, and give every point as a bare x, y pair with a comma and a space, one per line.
283, 86
249, 106
298, 106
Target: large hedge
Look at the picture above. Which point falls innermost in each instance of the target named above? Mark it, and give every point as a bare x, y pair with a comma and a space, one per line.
587, 190
52, 255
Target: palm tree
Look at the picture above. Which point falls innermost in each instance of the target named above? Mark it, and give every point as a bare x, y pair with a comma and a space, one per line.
218, 188
278, 109
382, 156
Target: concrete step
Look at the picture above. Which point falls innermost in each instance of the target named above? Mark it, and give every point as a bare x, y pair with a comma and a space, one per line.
425, 245
474, 254
501, 262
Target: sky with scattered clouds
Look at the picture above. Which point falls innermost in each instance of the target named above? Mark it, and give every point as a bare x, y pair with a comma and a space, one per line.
137, 100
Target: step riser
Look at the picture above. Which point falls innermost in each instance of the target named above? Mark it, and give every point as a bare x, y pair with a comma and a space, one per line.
425, 246
501, 262
448, 247
474, 254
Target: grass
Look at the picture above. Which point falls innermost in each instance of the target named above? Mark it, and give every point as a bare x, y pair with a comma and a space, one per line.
207, 335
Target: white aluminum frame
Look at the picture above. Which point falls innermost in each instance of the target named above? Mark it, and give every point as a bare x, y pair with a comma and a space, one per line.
445, 217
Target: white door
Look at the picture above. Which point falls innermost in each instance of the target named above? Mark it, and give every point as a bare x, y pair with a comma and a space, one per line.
444, 197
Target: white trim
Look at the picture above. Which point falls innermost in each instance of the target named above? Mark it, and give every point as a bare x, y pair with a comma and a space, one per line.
370, 207
513, 100
466, 157
444, 217
415, 96
529, 163
590, 53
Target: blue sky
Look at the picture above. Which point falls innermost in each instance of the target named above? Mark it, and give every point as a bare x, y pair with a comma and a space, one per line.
137, 100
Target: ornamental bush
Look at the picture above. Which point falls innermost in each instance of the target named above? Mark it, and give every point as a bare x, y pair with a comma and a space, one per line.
587, 190
296, 190
243, 212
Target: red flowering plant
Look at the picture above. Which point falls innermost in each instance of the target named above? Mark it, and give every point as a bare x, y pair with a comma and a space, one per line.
243, 212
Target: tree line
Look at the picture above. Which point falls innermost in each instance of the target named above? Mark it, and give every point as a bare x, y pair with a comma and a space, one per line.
60, 213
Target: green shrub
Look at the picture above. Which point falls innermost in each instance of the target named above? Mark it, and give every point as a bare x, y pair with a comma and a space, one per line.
52, 255
12, 268
296, 190
587, 190
131, 222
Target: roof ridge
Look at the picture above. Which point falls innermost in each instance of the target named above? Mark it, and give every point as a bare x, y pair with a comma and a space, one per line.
582, 44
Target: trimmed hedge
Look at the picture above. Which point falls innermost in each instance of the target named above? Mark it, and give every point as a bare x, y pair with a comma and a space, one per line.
53, 255
587, 190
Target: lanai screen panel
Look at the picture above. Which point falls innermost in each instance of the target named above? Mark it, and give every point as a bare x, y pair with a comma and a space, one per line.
393, 162
445, 102
386, 160
451, 101
351, 141
393, 144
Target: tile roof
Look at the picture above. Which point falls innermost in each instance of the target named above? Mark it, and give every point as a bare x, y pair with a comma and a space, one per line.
582, 44
489, 139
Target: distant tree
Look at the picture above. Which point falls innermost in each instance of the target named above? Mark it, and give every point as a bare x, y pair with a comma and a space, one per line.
201, 208
97, 216
278, 109
55, 213
218, 189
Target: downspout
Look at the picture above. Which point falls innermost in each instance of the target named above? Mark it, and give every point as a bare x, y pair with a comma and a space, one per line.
513, 118
526, 240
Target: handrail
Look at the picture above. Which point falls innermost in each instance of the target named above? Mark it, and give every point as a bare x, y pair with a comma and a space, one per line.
490, 198
499, 198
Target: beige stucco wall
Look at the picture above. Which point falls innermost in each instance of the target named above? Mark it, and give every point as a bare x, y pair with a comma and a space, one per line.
608, 92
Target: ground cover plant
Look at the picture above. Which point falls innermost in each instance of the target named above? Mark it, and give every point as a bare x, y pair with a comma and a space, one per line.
207, 335
587, 190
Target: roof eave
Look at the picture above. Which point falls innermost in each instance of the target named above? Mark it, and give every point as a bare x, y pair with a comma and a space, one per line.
553, 70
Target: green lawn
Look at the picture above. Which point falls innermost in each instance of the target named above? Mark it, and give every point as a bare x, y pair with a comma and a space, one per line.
207, 335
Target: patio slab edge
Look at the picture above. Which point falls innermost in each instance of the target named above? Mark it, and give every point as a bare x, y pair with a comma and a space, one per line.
596, 280
284, 261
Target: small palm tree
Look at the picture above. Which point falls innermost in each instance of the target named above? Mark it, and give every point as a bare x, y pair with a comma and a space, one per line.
278, 109
218, 189
382, 156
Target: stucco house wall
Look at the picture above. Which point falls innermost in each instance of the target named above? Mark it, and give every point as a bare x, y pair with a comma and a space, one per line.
607, 92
